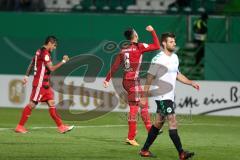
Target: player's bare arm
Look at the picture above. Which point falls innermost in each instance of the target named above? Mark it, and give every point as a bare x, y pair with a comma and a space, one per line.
113, 69
52, 67
155, 45
147, 86
148, 83
185, 80
28, 72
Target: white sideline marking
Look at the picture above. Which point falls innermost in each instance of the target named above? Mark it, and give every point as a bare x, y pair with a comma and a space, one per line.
112, 126
97, 126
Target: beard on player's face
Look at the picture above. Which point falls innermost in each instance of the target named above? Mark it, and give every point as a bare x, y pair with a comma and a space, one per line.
170, 44
170, 48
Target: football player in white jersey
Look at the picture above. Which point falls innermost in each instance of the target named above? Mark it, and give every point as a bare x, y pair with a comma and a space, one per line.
164, 72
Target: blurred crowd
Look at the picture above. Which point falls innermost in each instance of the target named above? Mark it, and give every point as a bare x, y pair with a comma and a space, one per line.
22, 5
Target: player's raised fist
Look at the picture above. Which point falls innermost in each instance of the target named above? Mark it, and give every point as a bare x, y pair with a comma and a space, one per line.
65, 58
149, 28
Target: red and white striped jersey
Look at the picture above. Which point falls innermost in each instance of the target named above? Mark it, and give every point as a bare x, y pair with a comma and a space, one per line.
41, 72
131, 58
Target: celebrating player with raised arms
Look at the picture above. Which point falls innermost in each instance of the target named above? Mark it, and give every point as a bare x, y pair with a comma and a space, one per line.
131, 57
41, 89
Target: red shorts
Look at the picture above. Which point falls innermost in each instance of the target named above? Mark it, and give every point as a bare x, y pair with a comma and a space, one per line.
42, 94
133, 89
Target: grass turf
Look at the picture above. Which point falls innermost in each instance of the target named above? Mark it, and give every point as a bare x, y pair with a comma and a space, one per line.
103, 138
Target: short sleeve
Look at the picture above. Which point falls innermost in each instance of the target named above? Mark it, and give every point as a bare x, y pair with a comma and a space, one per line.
153, 69
157, 68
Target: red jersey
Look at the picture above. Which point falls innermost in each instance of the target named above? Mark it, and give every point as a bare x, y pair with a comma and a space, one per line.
41, 72
132, 58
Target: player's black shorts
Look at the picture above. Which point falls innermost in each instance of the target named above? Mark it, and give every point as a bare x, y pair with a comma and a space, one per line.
165, 107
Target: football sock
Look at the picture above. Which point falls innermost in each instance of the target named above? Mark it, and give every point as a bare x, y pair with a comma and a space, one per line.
152, 135
176, 139
55, 116
132, 122
146, 117
25, 114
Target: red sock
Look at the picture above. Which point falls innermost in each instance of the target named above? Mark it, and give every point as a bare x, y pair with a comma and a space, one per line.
25, 114
146, 117
132, 122
55, 116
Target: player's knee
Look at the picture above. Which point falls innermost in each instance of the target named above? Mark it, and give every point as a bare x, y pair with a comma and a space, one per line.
133, 113
143, 106
133, 103
51, 103
32, 105
173, 124
132, 116
157, 125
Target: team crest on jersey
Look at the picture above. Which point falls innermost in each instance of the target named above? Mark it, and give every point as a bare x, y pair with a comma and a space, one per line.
145, 45
169, 110
47, 58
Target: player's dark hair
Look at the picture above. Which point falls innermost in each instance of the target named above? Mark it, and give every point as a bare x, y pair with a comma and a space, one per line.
165, 35
51, 39
129, 33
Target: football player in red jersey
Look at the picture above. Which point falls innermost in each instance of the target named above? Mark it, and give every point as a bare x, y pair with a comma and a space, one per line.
41, 89
131, 57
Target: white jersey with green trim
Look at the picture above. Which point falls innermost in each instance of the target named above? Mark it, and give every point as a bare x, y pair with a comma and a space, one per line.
171, 62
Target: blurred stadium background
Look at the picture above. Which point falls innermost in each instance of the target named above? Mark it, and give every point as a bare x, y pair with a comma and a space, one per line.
209, 119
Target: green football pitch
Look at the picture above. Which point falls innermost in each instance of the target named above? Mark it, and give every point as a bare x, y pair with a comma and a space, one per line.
210, 137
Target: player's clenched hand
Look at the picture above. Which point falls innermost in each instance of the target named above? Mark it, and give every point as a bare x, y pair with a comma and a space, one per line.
105, 84
25, 80
65, 58
149, 28
195, 85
